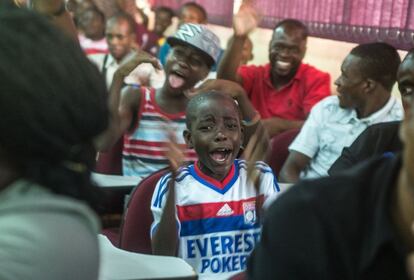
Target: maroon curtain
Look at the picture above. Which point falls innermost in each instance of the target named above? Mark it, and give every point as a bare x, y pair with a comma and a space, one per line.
219, 11
356, 21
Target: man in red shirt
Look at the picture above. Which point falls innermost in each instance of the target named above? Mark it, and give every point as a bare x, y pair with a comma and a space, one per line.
284, 90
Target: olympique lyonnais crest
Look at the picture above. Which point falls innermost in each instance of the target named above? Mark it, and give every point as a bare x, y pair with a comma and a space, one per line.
249, 212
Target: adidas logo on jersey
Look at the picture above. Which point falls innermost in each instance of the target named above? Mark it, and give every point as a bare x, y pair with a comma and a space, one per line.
225, 210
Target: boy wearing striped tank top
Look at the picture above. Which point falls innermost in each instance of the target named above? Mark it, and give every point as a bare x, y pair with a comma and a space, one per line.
142, 115
208, 212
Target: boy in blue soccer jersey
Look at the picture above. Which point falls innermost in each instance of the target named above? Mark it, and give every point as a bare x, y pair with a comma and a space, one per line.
207, 212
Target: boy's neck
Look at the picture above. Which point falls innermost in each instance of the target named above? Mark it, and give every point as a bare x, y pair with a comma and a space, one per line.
171, 102
218, 177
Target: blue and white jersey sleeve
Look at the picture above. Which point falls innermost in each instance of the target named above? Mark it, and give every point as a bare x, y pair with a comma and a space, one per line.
268, 182
158, 201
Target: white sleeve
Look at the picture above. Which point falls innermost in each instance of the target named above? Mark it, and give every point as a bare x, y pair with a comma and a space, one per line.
307, 141
158, 200
268, 182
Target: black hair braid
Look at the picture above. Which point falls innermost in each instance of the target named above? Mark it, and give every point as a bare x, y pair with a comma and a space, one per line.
53, 103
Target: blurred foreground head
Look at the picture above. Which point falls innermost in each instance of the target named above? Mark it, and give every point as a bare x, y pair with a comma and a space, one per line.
53, 103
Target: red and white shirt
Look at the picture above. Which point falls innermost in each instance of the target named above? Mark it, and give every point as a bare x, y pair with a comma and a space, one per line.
145, 147
217, 221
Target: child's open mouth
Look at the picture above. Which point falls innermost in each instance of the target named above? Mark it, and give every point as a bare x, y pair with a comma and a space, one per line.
220, 155
176, 79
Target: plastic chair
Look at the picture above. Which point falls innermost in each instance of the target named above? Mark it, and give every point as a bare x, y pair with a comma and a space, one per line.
110, 162
137, 219
278, 151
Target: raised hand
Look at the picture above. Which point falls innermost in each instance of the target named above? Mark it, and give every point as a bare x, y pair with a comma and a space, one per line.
135, 59
256, 150
175, 153
246, 19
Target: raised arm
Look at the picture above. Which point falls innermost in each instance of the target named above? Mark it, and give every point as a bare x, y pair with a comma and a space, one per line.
243, 23
165, 237
122, 103
294, 164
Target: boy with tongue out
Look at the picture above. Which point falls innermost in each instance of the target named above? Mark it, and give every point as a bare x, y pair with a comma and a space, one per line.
207, 212
142, 114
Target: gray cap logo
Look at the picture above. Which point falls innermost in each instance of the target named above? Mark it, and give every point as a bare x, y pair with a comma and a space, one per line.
199, 37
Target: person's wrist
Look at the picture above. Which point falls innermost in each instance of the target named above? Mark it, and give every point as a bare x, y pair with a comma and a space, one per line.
239, 35
247, 122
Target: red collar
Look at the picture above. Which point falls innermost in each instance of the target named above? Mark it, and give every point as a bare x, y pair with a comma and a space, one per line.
221, 185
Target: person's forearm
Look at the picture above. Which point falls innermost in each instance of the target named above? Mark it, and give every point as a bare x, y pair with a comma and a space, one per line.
56, 11
250, 116
289, 175
231, 59
276, 125
109, 137
165, 239
295, 163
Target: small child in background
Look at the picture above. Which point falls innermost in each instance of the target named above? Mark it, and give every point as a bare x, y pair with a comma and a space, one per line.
92, 36
207, 212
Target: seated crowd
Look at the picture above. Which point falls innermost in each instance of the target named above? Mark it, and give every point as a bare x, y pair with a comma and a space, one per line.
182, 103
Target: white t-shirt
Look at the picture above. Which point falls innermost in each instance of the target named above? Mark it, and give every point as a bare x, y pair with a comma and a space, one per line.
330, 128
46, 236
217, 221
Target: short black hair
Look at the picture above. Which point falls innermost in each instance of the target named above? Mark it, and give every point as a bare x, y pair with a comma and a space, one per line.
95, 10
195, 101
124, 16
379, 61
196, 6
53, 103
293, 24
163, 9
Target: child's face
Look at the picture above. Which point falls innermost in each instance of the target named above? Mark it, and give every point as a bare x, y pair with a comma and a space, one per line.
92, 24
184, 68
216, 136
191, 15
162, 21
119, 37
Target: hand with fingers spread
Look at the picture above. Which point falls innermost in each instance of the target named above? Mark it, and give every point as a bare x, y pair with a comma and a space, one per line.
246, 19
256, 150
136, 59
175, 153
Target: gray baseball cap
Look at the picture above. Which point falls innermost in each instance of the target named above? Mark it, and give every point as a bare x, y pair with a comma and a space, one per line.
199, 37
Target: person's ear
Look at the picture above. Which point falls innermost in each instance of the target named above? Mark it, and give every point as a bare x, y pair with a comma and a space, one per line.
188, 139
408, 115
241, 135
370, 85
304, 48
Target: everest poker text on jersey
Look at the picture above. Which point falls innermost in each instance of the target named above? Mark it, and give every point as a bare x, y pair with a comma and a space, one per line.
223, 253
